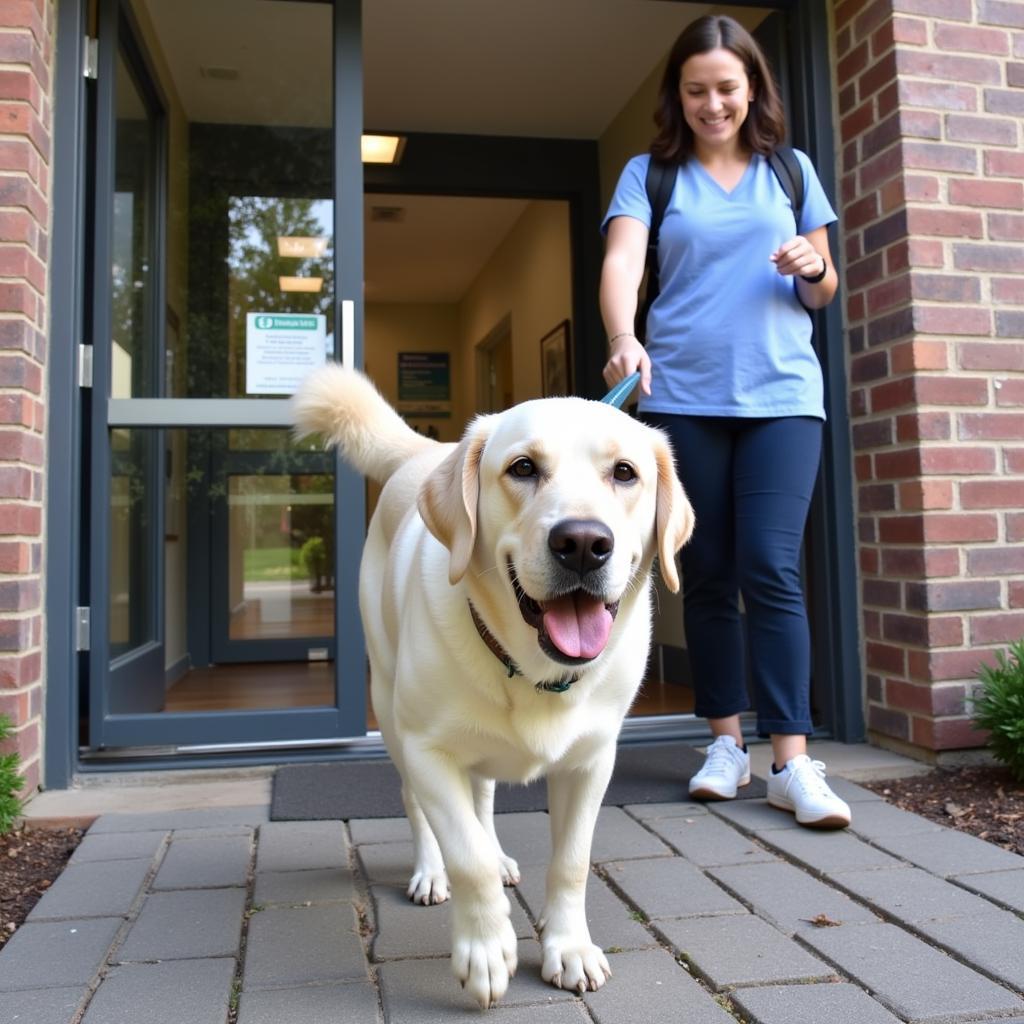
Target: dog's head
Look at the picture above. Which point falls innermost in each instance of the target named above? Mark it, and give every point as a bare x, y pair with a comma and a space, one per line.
557, 508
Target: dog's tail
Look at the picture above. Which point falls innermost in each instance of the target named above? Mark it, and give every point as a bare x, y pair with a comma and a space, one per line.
345, 407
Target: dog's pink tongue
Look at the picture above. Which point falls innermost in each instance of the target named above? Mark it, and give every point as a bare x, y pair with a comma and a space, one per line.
577, 624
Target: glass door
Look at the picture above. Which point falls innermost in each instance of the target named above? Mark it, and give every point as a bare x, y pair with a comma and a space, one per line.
223, 555
136, 635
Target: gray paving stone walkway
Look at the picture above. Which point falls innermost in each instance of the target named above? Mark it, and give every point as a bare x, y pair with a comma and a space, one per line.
708, 914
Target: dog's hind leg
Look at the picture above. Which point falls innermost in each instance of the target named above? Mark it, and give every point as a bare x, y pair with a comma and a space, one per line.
429, 881
483, 804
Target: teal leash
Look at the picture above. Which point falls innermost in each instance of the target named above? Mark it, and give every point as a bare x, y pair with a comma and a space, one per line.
621, 391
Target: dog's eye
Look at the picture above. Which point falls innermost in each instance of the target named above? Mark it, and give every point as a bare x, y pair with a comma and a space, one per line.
523, 468
624, 473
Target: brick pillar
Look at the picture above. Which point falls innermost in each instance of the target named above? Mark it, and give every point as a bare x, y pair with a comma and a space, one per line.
932, 173
26, 53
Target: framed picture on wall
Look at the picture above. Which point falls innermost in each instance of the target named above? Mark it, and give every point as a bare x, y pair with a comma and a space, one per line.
555, 362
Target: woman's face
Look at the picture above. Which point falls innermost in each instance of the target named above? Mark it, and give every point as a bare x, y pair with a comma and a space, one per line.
715, 93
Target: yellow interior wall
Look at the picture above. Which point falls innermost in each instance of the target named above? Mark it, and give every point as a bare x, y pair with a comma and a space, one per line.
529, 280
391, 328
629, 133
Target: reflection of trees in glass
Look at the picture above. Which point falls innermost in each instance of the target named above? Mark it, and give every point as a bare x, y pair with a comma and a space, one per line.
122, 278
255, 268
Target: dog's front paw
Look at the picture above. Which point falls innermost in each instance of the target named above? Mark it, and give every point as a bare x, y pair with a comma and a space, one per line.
483, 959
428, 885
578, 966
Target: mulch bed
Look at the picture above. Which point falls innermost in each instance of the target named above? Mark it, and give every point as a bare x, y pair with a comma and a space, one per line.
30, 860
982, 801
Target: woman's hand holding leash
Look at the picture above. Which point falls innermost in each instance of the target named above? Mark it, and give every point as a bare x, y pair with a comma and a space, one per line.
628, 356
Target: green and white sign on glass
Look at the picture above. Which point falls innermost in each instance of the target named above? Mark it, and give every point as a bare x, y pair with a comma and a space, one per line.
280, 349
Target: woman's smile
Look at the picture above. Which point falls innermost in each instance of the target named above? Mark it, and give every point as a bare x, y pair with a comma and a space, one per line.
715, 94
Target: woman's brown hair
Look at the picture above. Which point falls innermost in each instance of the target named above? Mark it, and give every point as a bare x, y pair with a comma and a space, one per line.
765, 126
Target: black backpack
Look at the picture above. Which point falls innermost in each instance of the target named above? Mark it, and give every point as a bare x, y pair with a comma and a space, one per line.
661, 179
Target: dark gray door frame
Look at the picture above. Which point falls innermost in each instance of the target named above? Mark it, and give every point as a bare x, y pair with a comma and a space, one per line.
130, 680
832, 537
348, 716
64, 454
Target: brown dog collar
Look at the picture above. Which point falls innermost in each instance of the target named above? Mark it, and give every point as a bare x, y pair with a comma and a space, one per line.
558, 686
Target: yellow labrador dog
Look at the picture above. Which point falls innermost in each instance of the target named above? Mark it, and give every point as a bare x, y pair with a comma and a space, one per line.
505, 597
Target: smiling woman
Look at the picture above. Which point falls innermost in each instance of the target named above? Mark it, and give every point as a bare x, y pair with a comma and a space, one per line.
738, 388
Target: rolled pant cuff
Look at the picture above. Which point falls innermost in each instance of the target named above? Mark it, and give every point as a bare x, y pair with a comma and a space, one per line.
703, 711
781, 727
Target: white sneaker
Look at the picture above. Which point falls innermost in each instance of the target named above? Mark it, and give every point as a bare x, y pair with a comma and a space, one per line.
801, 787
725, 767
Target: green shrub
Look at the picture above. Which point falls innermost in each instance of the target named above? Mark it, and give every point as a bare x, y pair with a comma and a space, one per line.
999, 707
10, 782
313, 556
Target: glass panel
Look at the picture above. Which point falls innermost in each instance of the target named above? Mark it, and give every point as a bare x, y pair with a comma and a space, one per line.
132, 341
280, 556
250, 247
280, 262
239, 590
133, 509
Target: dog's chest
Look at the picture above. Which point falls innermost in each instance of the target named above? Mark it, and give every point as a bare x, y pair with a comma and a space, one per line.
529, 744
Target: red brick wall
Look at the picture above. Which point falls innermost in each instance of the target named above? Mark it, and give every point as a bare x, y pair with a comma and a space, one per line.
26, 76
931, 104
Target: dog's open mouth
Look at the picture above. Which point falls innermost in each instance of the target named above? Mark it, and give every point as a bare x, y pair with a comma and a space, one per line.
572, 628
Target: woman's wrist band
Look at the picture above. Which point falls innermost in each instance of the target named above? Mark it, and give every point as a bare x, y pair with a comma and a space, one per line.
820, 276
622, 334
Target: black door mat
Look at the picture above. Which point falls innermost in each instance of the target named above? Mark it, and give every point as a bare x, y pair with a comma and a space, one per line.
644, 774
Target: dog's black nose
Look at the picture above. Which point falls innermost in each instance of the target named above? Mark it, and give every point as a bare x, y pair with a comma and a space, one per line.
581, 544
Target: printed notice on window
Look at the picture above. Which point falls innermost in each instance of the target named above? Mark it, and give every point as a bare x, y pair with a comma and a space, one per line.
280, 349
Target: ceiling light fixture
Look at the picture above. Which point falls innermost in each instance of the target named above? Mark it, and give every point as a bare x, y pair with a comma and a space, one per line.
382, 149
301, 246
301, 284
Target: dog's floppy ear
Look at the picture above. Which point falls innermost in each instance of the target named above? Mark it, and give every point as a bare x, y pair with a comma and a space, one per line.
674, 515
448, 499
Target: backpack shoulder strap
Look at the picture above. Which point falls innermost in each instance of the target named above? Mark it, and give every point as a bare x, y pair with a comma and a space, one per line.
787, 169
661, 179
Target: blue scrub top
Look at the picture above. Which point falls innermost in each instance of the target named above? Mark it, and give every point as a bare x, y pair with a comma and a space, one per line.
727, 335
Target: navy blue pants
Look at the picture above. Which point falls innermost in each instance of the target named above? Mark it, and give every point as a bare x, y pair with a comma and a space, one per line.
750, 483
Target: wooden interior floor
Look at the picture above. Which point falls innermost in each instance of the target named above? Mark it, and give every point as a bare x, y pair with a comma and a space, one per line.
262, 686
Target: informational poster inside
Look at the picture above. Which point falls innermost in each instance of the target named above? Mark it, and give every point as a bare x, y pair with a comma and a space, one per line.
280, 349
424, 384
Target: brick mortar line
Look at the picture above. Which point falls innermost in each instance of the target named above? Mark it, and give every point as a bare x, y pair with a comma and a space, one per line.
996, 903
663, 940
796, 936
834, 883
366, 913
22, 281
248, 910
122, 932
914, 930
